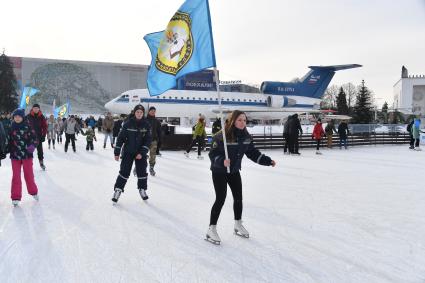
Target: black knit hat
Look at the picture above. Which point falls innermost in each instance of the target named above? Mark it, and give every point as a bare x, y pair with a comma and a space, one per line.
36, 105
152, 108
139, 107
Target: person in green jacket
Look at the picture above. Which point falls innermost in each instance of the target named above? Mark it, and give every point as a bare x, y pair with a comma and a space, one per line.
90, 136
198, 136
416, 132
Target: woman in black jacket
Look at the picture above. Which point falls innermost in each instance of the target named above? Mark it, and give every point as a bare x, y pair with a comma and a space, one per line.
133, 143
239, 142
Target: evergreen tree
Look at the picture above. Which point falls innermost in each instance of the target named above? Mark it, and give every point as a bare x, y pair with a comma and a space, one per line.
385, 112
362, 110
8, 94
341, 102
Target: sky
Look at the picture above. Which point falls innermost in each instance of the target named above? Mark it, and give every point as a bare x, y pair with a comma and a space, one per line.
254, 40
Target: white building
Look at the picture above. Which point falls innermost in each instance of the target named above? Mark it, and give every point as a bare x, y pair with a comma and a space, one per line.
409, 93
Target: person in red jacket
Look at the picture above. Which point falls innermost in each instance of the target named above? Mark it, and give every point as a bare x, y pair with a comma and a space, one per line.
318, 133
38, 123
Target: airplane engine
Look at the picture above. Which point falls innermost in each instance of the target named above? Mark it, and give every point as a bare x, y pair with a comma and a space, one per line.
279, 101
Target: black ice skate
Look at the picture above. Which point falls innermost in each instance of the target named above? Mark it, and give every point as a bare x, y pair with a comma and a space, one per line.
143, 194
116, 195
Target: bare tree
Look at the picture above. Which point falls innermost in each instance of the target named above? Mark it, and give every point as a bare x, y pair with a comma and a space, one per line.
329, 97
351, 92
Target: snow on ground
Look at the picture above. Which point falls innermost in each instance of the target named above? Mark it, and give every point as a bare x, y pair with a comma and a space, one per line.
352, 215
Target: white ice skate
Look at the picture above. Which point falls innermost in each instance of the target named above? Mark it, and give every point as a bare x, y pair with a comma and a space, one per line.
318, 152
200, 157
186, 154
240, 230
212, 235
152, 171
418, 149
15, 203
143, 194
116, 195
36, 197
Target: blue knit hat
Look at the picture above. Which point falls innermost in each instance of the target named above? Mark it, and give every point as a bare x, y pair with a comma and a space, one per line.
19, 112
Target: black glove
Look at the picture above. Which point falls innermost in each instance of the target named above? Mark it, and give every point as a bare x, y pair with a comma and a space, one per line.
43, 139
2, 155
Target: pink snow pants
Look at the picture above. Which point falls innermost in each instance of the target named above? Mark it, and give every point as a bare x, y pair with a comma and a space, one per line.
16, 178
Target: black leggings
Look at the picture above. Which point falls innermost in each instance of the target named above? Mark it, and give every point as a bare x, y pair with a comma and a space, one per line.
200, 141
318, 144
220, 181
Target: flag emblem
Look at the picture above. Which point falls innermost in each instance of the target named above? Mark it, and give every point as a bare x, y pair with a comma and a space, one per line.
63, 111
176, 46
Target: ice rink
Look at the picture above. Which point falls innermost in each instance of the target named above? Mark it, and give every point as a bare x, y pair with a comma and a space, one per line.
354, 215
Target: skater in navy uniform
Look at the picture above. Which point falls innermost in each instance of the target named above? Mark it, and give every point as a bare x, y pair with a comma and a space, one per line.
239, 142
133, 143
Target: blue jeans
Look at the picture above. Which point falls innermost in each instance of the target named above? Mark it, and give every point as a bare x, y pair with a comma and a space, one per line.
341, 141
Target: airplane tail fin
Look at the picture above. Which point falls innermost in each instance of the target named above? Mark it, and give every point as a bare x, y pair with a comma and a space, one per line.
315, 82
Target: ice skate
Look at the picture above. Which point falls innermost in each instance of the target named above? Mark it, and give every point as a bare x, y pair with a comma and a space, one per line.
43, 167
15, 203
418, 149
318, 152
36, 197
152, 171
143, 194
116, 195
186, 154
212, 235
200, 157
240, 230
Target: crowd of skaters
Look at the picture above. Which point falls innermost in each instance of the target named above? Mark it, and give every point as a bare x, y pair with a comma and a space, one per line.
136, 138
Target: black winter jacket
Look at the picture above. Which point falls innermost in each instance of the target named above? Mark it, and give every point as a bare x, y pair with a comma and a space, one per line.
155, 127
236, 150
134, 138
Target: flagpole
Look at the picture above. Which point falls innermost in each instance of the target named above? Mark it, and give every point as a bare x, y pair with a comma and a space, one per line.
223, 130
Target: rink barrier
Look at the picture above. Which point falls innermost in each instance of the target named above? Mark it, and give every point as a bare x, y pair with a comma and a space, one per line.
276, 141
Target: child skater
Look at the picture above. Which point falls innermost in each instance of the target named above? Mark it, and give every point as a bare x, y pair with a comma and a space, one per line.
22, 141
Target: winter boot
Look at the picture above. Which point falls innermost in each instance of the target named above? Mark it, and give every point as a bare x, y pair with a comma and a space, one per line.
152, 171
143, 194
212, 235
240, 230
116, 195
15, 202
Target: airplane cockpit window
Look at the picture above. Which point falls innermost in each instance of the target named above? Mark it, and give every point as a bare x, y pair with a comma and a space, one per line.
123, 98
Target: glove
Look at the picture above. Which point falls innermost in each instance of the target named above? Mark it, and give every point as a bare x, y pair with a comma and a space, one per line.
43, 139
2, 155
30, 148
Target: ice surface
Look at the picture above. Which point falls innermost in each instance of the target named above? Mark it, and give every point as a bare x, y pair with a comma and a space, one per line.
354, 215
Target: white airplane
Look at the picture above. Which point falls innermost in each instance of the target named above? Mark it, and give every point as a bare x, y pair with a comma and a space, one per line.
277, 100
188, 104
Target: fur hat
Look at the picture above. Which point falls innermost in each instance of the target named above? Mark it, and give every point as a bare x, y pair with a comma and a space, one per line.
19, 112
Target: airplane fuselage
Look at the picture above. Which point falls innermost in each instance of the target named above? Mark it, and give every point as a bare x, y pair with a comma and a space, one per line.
186, 103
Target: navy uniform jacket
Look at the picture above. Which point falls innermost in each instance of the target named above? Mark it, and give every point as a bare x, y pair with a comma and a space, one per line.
236, 150
134, 138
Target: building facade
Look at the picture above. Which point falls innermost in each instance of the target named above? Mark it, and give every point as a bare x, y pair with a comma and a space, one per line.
86, 85
409, 94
